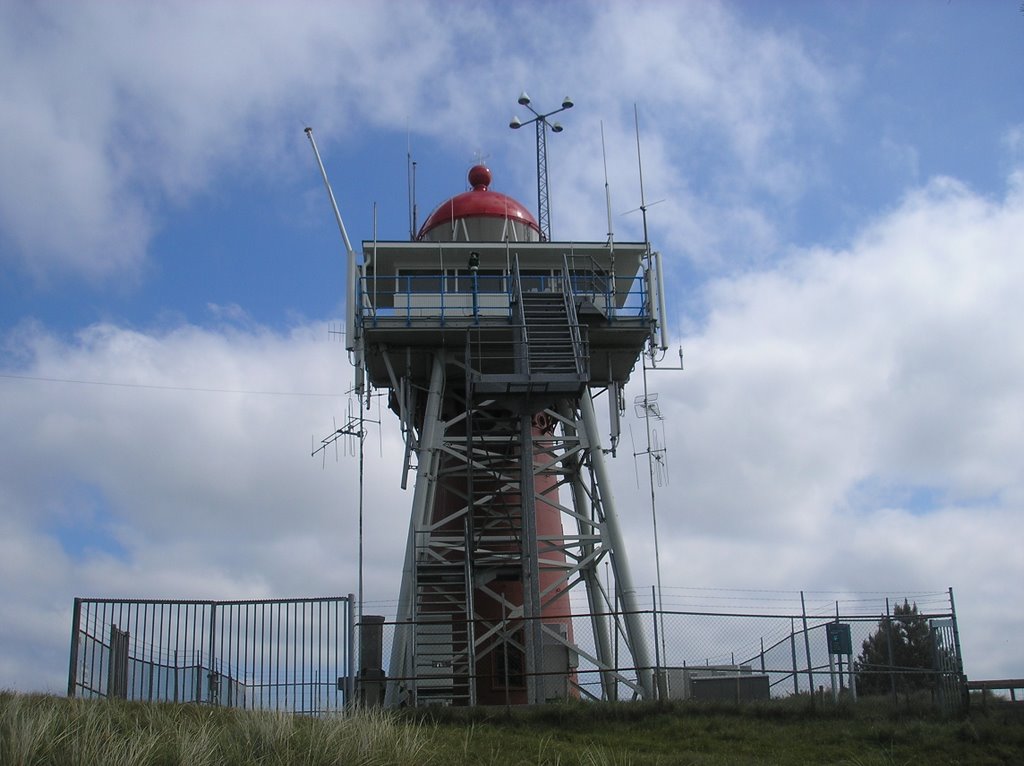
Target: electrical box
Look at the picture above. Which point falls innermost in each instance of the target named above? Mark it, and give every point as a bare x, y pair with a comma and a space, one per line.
839, 638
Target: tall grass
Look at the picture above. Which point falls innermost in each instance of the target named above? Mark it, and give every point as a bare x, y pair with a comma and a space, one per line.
39, 730
48, 730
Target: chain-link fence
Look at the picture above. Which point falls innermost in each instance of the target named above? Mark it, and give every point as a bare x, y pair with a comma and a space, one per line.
733, 646
703, 645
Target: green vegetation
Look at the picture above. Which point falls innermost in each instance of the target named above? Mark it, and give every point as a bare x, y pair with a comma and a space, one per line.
904, 642
53, 730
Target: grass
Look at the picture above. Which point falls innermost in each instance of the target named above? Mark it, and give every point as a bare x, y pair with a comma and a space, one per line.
871, 733
58, 731
51, 730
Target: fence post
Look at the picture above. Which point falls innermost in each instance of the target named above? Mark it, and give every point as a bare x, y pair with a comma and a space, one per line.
350, 692
658, 687
851, 669
807, 646
792, 649
832, 675
210, 689
892, 657
961, 681
840, 657
73, 661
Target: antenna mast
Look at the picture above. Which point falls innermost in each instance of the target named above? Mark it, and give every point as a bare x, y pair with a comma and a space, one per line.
614, 390
351, 342
355, 431
410, 169
541, 121
656, 268
608, 207
640, 167
657, 282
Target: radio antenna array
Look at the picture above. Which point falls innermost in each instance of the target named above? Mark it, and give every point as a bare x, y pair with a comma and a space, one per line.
647, 406
352, 435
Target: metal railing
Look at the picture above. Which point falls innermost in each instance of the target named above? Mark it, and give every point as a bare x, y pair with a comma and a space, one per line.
282, 654
581, 356
440, 298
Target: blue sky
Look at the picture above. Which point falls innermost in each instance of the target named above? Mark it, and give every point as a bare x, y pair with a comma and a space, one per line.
843, 189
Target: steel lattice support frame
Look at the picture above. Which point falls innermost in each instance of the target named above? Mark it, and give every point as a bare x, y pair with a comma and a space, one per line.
477, 450
543, 210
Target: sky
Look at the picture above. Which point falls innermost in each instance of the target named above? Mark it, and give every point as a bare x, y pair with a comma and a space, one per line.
837, 190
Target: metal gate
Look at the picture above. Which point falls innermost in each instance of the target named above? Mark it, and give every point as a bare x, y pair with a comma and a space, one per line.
950, 684
279, 654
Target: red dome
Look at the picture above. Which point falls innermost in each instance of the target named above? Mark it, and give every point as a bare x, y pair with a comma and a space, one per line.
481, 202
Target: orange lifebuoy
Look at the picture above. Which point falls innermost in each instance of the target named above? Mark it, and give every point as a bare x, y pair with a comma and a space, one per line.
544, 423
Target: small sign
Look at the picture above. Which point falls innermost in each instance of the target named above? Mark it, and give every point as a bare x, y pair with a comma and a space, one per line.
839, 639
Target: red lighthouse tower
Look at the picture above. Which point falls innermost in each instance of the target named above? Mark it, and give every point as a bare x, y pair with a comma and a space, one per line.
493, 343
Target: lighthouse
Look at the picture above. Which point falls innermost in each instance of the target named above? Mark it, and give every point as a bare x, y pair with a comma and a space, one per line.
494, 344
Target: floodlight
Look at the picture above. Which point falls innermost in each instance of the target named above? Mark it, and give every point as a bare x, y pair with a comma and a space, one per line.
567, 103
524, 100
556, 128
515, 123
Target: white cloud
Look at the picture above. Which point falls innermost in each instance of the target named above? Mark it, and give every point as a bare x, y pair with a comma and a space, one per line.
112, 114
854, 417
732, 120
170, 485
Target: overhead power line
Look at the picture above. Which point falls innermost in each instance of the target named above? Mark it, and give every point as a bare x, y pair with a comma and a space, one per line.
158, 387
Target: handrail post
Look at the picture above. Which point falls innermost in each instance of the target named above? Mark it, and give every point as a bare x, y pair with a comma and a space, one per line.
73, 662
523, 356
568, 296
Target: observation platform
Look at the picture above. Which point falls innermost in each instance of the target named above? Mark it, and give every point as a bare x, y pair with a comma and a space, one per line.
503, 309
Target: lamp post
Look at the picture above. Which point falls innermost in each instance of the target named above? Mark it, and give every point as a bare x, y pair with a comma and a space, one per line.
541, 121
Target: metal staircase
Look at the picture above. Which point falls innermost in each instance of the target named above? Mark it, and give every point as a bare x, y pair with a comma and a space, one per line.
543, 351
443, 661
443, 643
551, 350
454, 639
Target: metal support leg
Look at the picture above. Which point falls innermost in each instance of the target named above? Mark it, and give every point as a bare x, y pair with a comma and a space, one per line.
401, 665
623, 579
532, 633
591, 578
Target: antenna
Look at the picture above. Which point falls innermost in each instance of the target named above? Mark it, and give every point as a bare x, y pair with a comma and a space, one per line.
648, 405
640, 167
614, 390
353, 343
410, 171
608, 206
607, 190
660, 455
654, 277
352, 435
